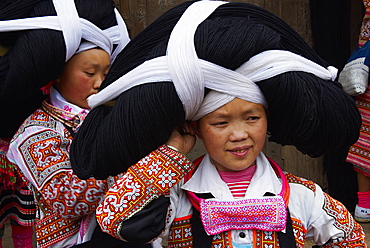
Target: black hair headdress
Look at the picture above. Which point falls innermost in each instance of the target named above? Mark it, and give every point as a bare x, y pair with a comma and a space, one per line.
307, 111
38, 50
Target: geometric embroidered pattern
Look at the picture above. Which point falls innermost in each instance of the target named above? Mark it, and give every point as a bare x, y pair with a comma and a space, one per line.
269, 239
365, 34
44, 152
342, 216
356, 239
38, 118
81, 198
152, 176
294, 179
345, 222
53, 229
299, 232
180, 234
221, 240
266, 239
359, 154
264, 213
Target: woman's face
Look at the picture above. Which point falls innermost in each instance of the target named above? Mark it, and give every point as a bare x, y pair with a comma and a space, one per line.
83, 75
234, 134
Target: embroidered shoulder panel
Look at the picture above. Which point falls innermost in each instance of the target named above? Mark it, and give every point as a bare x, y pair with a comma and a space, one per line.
45, 153
302, 181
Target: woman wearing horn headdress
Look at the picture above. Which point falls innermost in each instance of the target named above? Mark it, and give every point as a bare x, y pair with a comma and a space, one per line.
216, 59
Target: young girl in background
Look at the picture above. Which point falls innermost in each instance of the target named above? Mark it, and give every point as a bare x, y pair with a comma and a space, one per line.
75, 59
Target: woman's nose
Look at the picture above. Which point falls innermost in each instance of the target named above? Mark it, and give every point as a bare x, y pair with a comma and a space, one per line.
239, 133
99, 80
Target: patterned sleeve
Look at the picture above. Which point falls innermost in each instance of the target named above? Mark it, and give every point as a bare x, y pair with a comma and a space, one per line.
353, 234
42, 155
145, 181
321, 218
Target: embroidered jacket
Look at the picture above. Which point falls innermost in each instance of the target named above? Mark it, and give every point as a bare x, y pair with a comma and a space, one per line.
314, 214
66, 204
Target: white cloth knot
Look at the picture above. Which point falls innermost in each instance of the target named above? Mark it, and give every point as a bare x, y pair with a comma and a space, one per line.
333, 71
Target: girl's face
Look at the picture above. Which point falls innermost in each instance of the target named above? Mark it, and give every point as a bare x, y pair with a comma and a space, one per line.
234, 134
83, 75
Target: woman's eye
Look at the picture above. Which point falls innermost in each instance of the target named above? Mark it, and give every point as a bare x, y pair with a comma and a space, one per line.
90, 74
253, 118
219, 123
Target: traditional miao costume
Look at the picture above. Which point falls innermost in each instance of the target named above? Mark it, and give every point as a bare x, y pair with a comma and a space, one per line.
257, 220
66, 204
41, 150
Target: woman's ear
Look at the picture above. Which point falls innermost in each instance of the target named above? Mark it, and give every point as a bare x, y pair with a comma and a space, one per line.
195, 126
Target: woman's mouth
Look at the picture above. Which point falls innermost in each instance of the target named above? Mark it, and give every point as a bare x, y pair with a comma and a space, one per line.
240, 152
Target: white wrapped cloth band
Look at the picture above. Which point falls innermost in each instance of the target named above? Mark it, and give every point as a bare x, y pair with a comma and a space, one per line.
213, 101
113, 35
236, 83
156, 70
191, 75
270, 63
70, 24
182, 60
262, 66
52, 22
75, 29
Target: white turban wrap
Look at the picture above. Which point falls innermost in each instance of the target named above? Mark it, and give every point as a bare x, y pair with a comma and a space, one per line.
75, 29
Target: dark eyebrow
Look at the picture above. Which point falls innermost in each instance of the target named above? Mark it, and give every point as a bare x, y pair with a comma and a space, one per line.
252, 110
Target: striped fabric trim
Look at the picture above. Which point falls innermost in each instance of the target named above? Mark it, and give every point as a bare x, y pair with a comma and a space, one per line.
359, 153
238, 189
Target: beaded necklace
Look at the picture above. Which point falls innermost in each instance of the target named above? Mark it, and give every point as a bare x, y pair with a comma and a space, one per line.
67, 118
